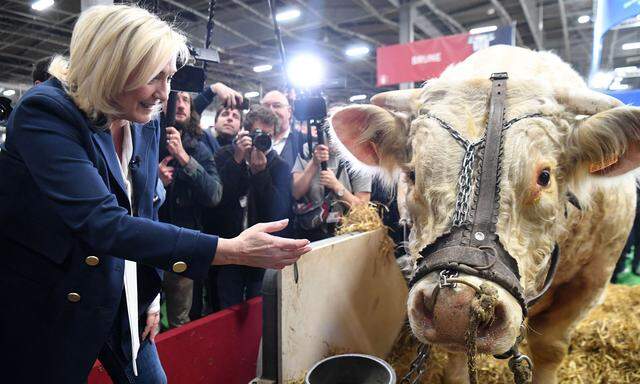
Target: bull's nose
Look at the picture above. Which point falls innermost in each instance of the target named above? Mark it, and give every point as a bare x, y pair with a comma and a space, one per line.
451, 312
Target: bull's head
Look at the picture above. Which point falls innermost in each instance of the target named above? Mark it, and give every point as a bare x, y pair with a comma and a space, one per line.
568, 139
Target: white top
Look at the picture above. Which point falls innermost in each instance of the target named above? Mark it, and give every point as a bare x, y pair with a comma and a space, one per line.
130, 275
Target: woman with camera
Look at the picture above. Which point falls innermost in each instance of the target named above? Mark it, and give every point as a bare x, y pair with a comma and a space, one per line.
256, 187
79, 196
323, 196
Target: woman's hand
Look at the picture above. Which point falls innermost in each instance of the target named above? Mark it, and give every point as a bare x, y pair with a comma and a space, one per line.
153, 326
255, 247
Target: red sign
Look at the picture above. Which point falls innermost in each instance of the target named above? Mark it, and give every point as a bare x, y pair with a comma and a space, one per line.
425, 59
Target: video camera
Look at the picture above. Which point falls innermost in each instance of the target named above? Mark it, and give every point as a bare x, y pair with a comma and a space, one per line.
312, 108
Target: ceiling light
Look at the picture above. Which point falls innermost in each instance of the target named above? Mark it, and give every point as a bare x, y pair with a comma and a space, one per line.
630, 46
287, 15
357, 98
252, 94
9, 92
42, 4
584, 19
475, 31
306, 70
357, 51
262, 68
491, 11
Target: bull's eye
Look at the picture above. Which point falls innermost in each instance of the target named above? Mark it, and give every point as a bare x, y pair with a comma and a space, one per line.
412, 175
544, 178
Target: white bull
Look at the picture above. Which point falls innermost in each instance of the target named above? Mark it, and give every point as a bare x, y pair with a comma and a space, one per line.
583, 142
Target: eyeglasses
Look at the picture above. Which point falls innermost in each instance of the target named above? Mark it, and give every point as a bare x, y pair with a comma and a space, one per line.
275, 105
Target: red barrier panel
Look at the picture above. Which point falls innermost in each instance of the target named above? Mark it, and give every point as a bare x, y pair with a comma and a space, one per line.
219, 348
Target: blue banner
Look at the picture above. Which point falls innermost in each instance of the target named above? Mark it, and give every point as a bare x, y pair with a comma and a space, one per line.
609, 13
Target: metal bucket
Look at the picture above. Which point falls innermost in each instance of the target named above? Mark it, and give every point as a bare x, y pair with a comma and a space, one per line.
351, 369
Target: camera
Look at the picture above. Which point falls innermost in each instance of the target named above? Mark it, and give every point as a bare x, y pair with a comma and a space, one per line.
261, 140
5, 108
246, 104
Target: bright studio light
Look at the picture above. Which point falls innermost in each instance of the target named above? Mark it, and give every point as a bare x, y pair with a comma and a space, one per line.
306, 70
42, 4
252, 94
357, 51
287, 15
9, 92
262, 68
475, 31
584, 19
357, 98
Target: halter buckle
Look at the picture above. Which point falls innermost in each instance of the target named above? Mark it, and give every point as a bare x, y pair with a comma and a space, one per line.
445, 275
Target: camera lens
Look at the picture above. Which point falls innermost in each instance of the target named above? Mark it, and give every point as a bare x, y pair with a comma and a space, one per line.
262, 141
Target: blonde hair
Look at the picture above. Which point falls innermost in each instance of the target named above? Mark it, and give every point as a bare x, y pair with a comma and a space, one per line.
114, 49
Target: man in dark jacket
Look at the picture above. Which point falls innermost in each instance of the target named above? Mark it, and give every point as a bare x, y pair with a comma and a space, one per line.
257, 187
192, 183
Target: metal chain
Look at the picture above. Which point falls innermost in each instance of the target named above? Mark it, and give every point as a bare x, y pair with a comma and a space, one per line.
417, 365
465, 179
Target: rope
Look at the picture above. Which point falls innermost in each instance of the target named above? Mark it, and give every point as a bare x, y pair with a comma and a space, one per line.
481, 313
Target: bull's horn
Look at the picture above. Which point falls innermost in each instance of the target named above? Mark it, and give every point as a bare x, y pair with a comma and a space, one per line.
585, 101
402, 100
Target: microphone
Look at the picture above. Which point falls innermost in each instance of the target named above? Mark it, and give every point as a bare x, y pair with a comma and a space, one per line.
135, 162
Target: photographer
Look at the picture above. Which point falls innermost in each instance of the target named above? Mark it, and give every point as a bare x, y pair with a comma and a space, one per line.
80, 193
226, 96
189, 176
257, 186
324, 196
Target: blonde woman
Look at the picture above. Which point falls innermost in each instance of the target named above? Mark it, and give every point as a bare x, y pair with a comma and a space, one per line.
79, 193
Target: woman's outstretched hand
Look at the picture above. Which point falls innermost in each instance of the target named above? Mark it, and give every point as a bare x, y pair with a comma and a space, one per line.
256, 247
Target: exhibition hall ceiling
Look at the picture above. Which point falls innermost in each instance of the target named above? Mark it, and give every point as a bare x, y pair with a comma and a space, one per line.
244, 36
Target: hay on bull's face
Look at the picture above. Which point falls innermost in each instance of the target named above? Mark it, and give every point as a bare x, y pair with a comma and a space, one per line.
605, 348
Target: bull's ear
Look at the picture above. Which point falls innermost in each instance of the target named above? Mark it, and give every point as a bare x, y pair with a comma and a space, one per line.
607, 143
374, 135
406, 100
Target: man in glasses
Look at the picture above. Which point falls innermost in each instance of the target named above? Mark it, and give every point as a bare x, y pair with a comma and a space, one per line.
286, 141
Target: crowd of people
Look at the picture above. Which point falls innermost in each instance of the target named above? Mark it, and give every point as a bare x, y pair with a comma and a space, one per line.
132, 212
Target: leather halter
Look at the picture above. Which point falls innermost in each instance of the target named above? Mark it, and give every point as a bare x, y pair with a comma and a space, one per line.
472, 246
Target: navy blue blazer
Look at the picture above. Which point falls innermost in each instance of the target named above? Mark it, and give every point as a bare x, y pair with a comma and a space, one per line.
66, 227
